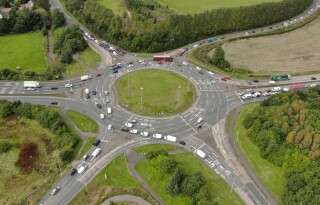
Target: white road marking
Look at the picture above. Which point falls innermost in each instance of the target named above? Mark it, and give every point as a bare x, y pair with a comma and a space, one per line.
188, 124
239, 97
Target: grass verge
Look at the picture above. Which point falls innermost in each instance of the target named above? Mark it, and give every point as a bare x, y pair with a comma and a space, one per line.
74, 69
219, 189
89, 57
153, 147
114, 179
86, 146
148, 92
115, 5
83, 122
273, 177
25, 50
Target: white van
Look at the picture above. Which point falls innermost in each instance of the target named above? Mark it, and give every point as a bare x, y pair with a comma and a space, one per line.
96, 152
82, 169
109, 110
170, 138
157, 136
102, 116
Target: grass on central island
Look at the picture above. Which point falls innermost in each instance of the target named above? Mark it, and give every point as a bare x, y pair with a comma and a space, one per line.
25, 50
83, 122
157, 90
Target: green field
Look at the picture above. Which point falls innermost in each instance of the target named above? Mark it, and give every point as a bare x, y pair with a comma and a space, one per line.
219, 189
191, 6
152, 147
24, 50
114, 179
160, 93
18, 188
83, 122
74, 69
89, 57
115, 5
273, 177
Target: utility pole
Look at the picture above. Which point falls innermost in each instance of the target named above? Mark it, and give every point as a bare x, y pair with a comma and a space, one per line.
178, 96
141, 97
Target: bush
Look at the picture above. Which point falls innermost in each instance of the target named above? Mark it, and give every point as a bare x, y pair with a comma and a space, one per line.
153, 154
5, 146
66, 156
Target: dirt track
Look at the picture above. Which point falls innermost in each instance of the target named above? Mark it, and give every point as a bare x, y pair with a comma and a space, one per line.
294, 52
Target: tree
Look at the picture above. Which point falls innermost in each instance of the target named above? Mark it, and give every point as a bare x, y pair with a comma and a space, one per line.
57, 18
295, 182
218, 59
191, 185
5, 146
168, 165
42, 4
66, 156
175, 183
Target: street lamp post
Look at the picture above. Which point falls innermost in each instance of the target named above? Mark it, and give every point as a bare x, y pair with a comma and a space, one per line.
178, 96
141, 97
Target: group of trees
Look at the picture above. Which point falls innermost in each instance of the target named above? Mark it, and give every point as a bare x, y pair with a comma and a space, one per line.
38, 18
219, 60
178, 182
48, 118
7, 74
147, 33
286, 128
69, 42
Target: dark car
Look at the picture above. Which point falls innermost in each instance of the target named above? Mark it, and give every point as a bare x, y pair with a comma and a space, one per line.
124, 129
96, 142
256, 81
115, 71
201, 72
54, 103
99, 106
99, 74
94, 92
87, 96
199, 126
54, 88
182, 142
73, 171
313, 78
270, 27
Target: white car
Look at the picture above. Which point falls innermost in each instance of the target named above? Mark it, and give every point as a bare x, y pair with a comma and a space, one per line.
102, 116
55, 190
82, 168
276, 89
157, 136
30, 88
286, 89
134, 131
128, 124
184, 63
272, 82
144, 124
200, 120
144, 134
198, 68
69, 85
141, 61
109, 127
133, 121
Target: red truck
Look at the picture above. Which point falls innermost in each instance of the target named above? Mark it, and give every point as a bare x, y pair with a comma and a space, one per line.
163, 58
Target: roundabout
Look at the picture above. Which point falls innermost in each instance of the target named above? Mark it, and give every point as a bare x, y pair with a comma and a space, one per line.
155, 93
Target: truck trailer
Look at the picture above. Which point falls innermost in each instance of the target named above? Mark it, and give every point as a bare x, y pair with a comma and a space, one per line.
85, 77
31, 84
170, 138
163, 58
276, 77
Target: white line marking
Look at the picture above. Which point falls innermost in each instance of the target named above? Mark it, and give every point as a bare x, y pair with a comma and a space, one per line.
188, 124
239, 97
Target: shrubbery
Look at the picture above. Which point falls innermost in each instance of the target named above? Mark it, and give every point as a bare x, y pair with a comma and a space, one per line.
147, 32
47, 118
5, 146
27, 156
286, 128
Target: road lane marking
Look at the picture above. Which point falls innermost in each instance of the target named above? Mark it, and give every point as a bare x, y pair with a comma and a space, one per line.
239, 97
188, 124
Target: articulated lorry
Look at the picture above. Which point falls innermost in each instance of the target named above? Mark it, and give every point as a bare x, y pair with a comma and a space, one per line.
31, 84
